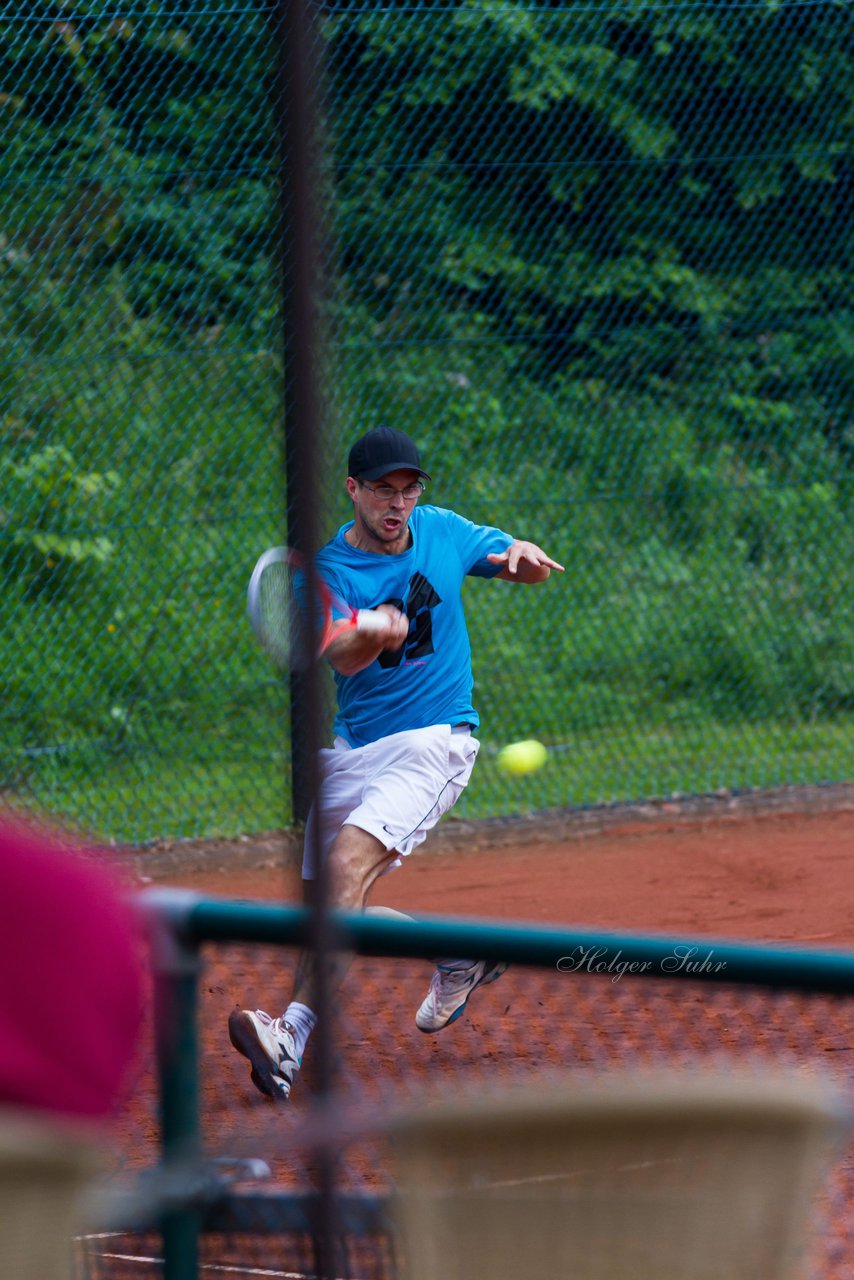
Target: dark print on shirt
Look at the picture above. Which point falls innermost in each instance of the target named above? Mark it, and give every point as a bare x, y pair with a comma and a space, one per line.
422, 598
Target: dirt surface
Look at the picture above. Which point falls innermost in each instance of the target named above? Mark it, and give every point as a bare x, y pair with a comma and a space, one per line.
725, 871
725, 867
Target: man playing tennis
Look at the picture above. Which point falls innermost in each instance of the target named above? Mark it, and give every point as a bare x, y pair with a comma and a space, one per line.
404, 746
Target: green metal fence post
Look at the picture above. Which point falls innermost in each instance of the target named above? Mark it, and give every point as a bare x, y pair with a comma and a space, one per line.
176, 964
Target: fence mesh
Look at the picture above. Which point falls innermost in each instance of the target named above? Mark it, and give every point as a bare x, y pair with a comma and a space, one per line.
530, 1027
594, 258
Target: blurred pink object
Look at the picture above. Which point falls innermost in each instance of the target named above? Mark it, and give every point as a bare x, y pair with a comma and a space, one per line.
71, 965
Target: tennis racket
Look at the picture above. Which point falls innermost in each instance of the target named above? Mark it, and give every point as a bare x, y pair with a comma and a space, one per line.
277, 611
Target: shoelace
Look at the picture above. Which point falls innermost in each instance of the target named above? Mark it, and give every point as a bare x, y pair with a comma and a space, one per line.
456, 975
277, 1024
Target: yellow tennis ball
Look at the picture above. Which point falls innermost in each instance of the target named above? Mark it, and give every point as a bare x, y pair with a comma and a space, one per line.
522, 757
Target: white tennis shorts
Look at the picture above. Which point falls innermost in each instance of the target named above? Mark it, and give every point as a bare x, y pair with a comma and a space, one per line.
396, 789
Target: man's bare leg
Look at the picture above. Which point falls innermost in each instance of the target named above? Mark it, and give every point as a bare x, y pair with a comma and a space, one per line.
356, 860
274, 1046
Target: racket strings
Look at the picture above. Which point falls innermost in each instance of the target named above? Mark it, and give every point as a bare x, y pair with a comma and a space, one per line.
288, 635
279, 614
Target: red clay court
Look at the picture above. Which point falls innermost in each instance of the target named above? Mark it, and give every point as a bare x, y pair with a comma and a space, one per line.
781, 877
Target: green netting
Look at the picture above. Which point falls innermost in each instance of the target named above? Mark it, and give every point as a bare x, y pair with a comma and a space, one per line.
596, 259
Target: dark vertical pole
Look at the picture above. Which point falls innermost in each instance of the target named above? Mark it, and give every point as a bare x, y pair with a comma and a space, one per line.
176, 965
297, 232
300, 243
176, 1007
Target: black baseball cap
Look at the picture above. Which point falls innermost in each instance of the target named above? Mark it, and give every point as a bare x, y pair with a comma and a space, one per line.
383, 450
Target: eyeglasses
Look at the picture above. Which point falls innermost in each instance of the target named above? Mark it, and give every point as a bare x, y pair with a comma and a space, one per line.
388, 493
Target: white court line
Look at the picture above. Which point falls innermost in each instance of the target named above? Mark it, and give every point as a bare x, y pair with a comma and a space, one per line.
222, 1268
578, 1173
131, 1257
214, 1266
208, 1266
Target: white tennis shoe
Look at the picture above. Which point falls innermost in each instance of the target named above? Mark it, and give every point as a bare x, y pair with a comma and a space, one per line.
450, 988
269, 1045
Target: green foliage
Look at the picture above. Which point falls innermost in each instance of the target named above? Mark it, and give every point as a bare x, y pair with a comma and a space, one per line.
50, 506
544, 139
595, 261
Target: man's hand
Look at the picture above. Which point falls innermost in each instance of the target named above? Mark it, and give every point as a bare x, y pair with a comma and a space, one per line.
524, 562
398, 627
352, 651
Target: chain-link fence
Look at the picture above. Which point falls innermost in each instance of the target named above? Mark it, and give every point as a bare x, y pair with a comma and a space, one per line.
596, 259
573, 1007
